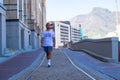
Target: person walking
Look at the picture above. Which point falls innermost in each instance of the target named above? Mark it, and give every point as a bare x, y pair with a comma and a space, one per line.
48, 41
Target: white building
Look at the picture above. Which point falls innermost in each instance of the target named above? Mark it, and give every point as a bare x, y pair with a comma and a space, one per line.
75, 34
2, 27
62, 32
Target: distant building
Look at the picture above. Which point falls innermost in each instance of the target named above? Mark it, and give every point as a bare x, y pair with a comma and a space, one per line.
2, 27
75, 34
62, 32
65, 33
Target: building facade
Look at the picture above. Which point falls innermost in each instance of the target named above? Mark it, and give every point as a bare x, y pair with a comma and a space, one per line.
22, 22
65, 33
2, 27
62, 32
75, 34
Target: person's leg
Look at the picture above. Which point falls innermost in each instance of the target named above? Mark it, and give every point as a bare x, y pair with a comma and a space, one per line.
49, 56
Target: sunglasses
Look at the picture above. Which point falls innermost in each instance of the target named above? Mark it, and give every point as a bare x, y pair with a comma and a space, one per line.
50, 25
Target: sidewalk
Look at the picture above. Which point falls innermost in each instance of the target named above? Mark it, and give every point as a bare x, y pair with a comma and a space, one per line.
12, 53
17, 63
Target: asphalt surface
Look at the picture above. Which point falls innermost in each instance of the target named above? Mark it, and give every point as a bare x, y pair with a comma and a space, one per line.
104, 70
61, 68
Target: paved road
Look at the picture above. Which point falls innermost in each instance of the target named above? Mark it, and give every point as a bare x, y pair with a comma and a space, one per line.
61, 69
106, 71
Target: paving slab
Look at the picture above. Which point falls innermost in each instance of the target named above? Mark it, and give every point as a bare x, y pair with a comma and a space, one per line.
17, 63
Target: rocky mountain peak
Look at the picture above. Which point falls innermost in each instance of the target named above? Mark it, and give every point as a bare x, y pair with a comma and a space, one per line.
98, 22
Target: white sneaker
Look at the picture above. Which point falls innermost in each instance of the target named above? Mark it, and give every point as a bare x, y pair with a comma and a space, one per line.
49, 63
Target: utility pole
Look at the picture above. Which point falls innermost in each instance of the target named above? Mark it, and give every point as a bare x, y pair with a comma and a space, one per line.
81, 33
116, 2
117, 20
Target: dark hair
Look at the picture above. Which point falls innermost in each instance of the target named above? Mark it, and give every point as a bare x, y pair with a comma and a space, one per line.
48, 24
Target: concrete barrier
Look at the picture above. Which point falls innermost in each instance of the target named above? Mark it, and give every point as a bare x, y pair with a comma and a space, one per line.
105, 49
119, 50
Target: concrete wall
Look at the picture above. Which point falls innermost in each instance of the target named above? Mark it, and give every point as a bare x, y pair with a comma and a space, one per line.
106, 48
34, 40
17, 35
25, 36
13, 39
2, 28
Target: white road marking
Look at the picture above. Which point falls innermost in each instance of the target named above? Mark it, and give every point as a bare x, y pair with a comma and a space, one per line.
28, 77
78, 67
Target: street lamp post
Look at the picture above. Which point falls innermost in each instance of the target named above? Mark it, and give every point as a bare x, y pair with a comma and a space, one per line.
80, 31
117, 20
116, 2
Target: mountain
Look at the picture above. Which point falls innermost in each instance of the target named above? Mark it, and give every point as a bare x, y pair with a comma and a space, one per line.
97, 23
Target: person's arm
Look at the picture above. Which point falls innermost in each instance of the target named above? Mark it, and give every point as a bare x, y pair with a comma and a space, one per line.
54, 42
42, 40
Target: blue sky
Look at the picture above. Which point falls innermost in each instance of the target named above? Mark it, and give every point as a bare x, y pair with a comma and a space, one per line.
67, 9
